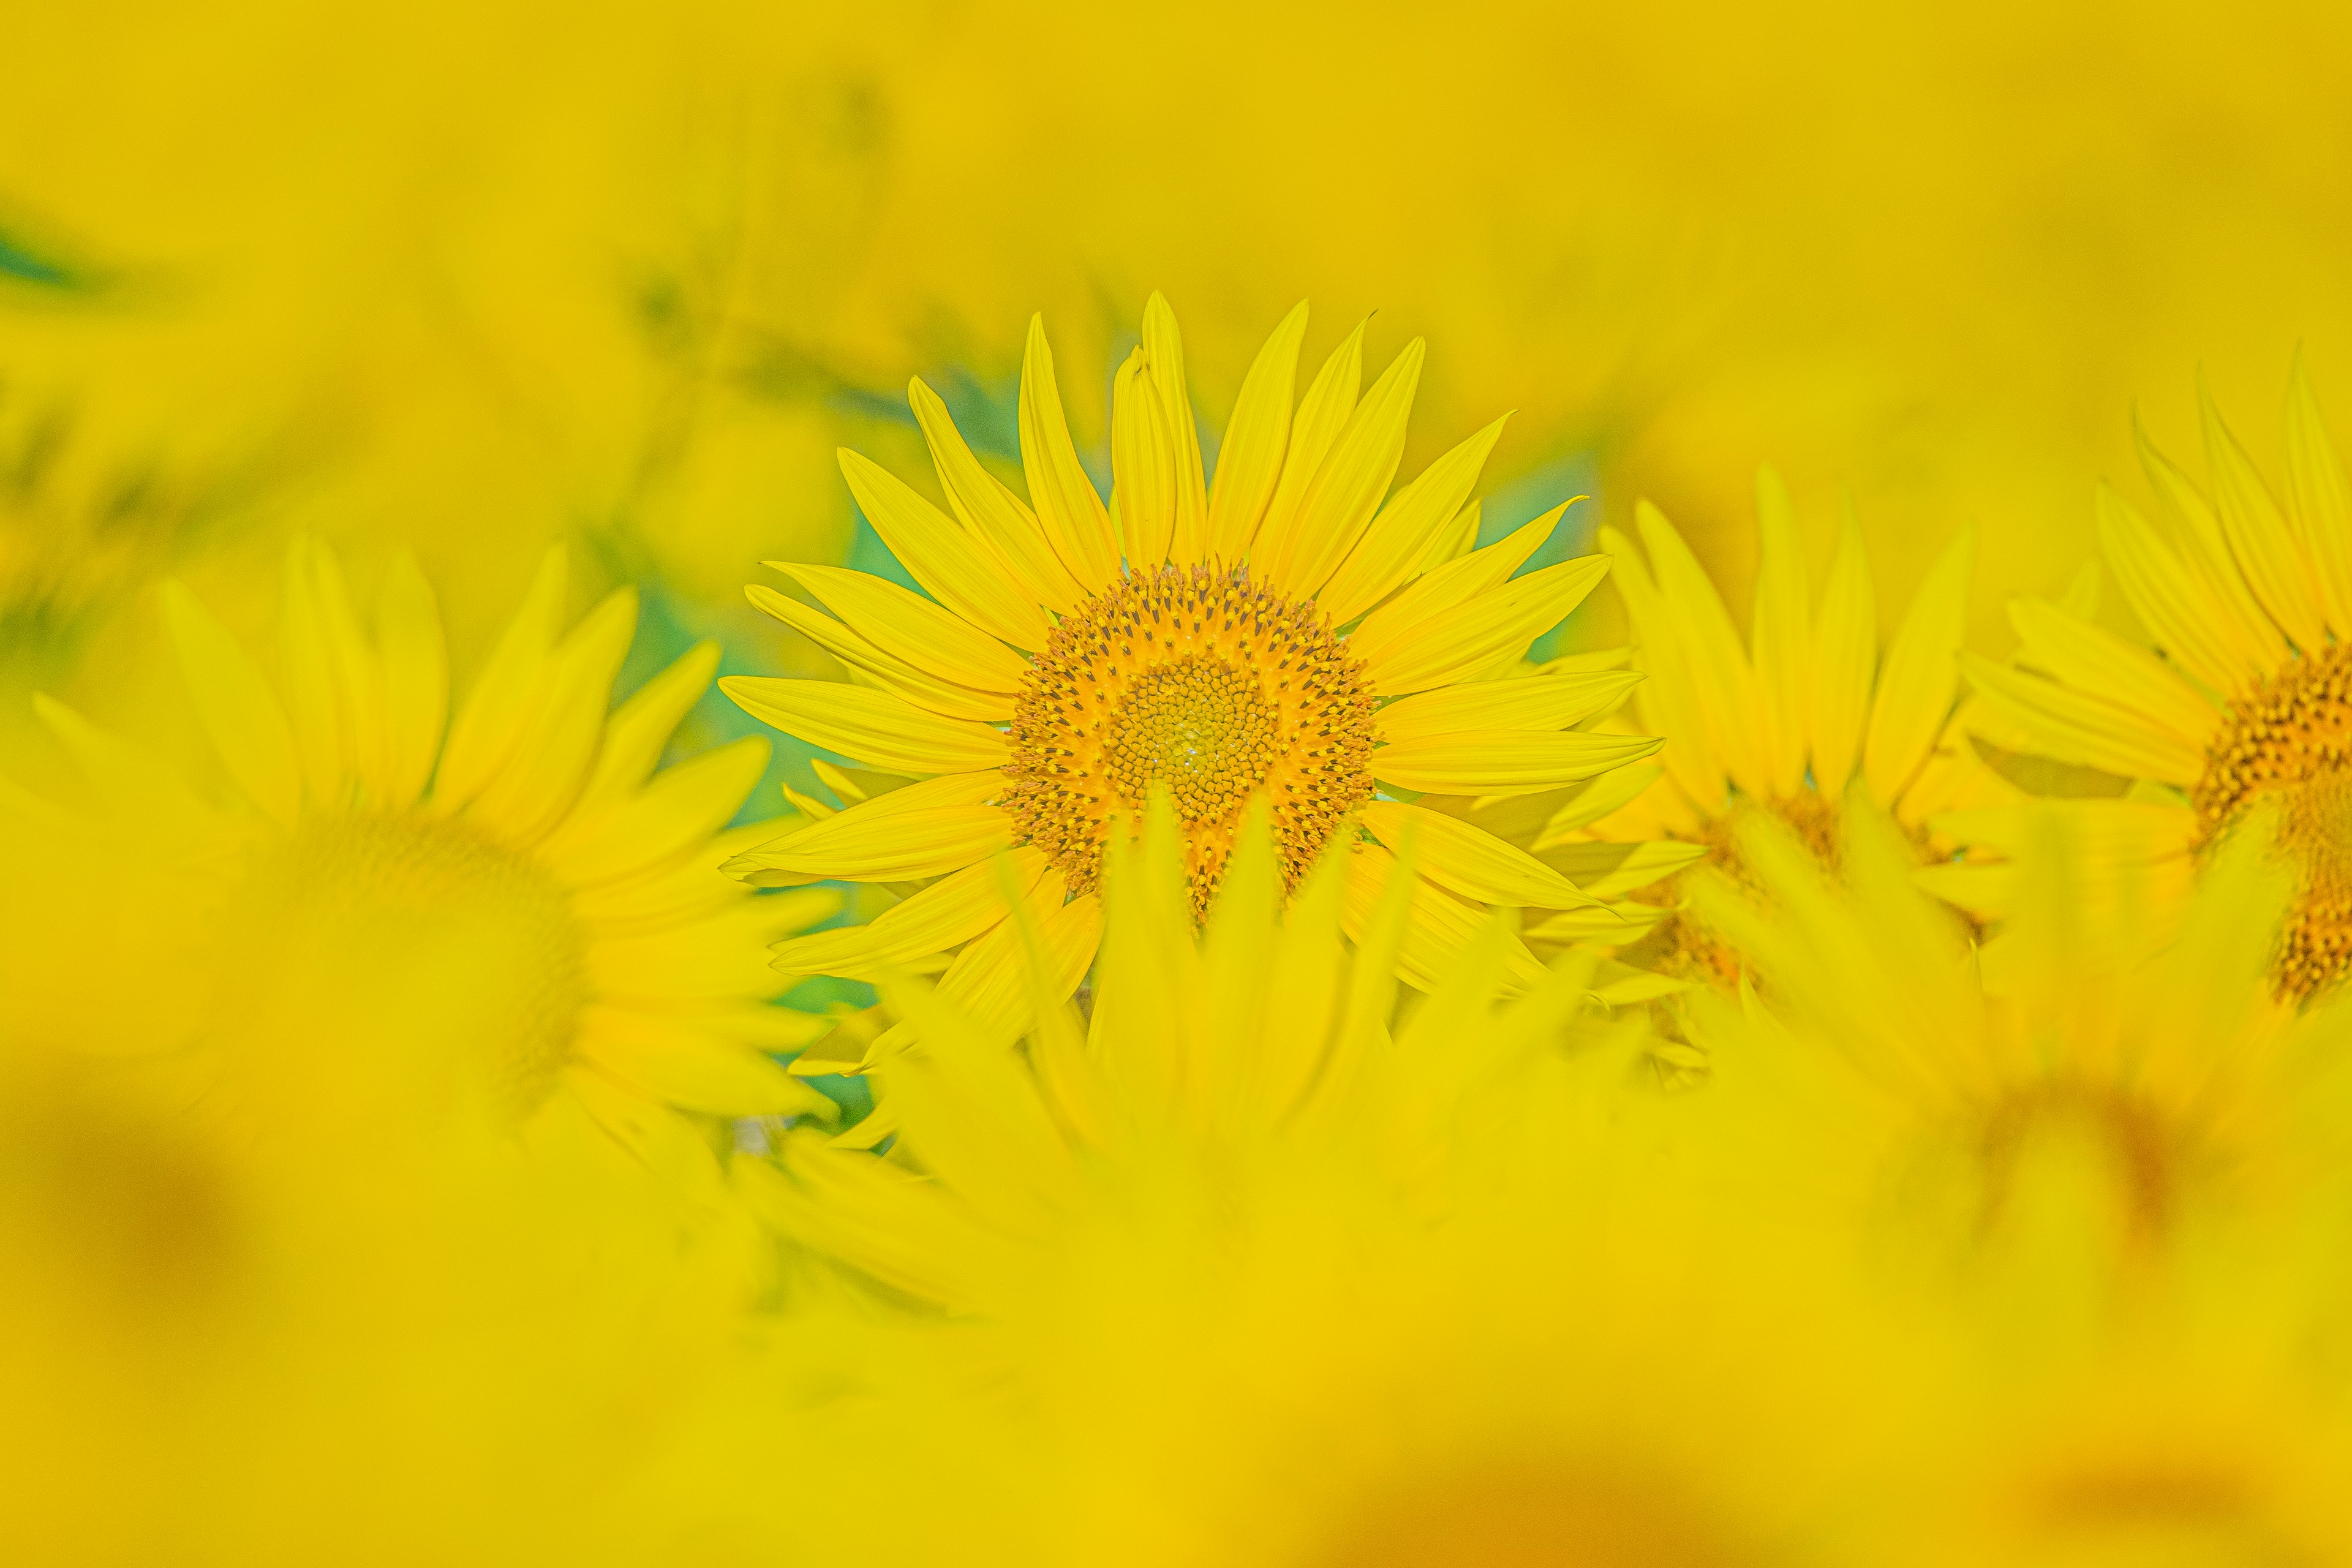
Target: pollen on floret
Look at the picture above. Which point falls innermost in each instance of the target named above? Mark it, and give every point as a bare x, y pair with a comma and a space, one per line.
1200, 683
2289, 741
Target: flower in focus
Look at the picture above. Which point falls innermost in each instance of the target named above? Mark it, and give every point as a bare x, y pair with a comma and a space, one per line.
2239, 697
1278, 633
525, 908
1792, 724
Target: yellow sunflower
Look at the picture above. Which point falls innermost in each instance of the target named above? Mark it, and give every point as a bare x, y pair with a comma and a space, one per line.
1791, 723
1280, 633
2100, 1179
524, 907
2241, 692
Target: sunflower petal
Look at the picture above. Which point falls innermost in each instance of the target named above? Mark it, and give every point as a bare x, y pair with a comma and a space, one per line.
1404, 533
1163, 350
497, 711
1668, 703
886, 670
666, 819
1529, 702
2260, 539
1503, 761
1454, 583
670, 1060
873, 727
1920, 682
927, 830
1471, 861
2235, 616
1845, 654
1438, 926
2075, 727
948, 562
1068, 510
1142, 466
1338, 504
540, 779
1701, 628
1781, 639
949, 913
2174, 606
2100, 664
2322, 502
1249, 461
1322, 414
415, 680
995, 515
1610, 870
240, 712
1464, 643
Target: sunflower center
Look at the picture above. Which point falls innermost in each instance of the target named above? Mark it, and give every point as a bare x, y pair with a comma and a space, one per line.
425, 941
1199, 682
2290, 742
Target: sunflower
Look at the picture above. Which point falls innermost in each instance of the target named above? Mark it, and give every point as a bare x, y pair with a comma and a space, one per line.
524, 907
2242, 693
1227, 1273
2094, 1176
1803, 716
1278, 633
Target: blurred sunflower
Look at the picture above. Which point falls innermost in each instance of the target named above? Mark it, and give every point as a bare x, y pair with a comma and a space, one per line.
525, 906
2239, 697
1792, 724
1278, 633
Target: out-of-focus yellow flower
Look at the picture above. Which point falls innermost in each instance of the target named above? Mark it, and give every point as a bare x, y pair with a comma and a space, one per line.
2108, 1177
1284, 634
1791, 721
1233, 1274
2235, 695
523, 907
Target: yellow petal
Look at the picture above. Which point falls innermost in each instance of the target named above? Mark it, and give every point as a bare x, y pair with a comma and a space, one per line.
994, 514
1669, 704
2322, 503
1503, 761
1920, 680
1068, 510
331, 686
909, 626
674, 814
1471, 861
2075, 727
659, 1137
240, 712
948, 562
1340, 502
1607, 793
873, 727
415, 662
637, 732
1531, 702
1404, 531
1142, 466
1163, 350
497, 711
1608, 925
2241, 622
2260, 540
1249, 461
926, 829
1701, 629
1322, 414
542, 777
1782, 638
1455, 540
1455, 583
1467, 642
2171, 601
884, 670
1438, 926
1845, 653
1612, 871
667, 1060
2100, 664
949, 913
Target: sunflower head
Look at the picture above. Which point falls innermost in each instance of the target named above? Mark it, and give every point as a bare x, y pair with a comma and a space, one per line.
1288, 633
